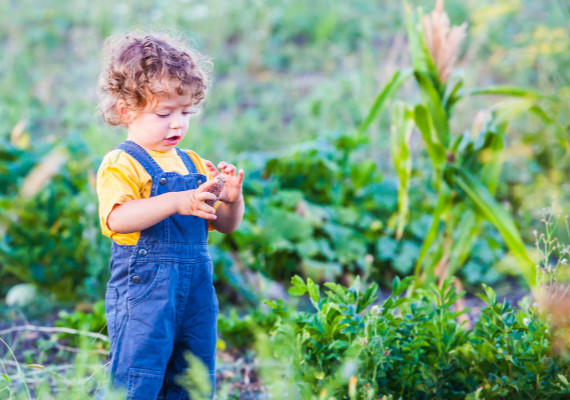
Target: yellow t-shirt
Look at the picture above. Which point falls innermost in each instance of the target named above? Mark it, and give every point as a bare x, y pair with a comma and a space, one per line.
121, 178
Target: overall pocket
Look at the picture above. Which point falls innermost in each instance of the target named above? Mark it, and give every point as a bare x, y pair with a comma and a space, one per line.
143, 279
144, 384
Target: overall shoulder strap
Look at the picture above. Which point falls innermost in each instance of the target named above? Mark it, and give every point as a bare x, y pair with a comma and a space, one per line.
142, 156
187, 161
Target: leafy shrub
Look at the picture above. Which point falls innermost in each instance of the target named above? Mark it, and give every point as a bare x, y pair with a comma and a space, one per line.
414, 347
92, 320
238, 331
51, 236
317, 209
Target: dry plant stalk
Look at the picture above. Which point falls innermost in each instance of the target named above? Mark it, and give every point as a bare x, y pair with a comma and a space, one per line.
42, 173
555, 303
443, 42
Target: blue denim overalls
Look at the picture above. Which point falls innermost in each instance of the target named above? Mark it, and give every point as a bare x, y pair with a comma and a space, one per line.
160, 300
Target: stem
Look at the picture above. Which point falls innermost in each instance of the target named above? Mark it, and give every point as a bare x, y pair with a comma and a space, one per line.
18, 368
54, 330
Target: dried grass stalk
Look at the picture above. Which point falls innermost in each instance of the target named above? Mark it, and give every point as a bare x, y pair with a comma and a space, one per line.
443, 42
554, 301
42, 173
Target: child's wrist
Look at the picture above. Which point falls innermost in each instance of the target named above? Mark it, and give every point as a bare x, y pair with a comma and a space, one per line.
175, 199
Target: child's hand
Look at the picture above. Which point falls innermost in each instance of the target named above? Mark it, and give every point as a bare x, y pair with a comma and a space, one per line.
233, 186
193, 202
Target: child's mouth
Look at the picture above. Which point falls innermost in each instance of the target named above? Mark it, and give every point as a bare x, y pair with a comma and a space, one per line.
172, 140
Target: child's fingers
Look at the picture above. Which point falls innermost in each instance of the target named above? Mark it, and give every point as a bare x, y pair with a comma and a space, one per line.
236, 180
212, 168
228, 169
206, 215
206, 185
203, 196
240, 177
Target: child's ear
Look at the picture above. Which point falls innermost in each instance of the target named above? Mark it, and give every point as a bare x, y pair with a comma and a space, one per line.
124, 112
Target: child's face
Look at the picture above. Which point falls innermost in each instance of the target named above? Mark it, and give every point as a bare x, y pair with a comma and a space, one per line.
162, 127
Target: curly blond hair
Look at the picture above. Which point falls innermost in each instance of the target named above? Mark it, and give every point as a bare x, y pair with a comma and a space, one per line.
139, 67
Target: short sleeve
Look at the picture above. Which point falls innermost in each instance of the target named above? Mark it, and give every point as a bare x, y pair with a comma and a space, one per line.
118, 181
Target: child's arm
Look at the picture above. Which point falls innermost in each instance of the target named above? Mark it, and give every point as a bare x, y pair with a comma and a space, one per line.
230, 211
136, 215
229, 216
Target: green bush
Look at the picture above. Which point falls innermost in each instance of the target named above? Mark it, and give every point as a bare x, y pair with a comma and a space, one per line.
323, 209
413, 347
51, 236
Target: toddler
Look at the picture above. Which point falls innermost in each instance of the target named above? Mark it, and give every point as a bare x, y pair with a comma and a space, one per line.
153, 203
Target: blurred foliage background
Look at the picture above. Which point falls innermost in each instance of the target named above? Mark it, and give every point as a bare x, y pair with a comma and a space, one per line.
292, 83
331, 191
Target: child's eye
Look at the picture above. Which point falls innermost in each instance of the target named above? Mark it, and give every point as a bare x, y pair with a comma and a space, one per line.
163, 115
190, 112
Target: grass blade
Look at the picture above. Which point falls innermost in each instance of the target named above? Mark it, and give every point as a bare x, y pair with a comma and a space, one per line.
401, 132
398, 79
512, 91
486, 205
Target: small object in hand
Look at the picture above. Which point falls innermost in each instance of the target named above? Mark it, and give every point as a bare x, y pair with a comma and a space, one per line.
216, 189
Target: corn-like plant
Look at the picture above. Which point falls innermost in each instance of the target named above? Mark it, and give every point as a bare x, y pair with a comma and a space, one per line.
467, 166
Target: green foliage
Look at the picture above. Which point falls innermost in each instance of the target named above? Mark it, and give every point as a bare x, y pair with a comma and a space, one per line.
512, 352
81, 378
462, 166
93, 320
237, 331
314, 209
51, 238
196, 379
414, 347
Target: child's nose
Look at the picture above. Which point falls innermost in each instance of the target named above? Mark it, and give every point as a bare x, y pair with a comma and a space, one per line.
176, 122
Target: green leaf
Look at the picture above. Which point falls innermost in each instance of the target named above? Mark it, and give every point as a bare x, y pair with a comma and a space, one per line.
401, 132
435, 149
432, 100
296, 291
512, 91
443, 205
406, 258
299, 287
486, 205
362, 173
399, 286
313, 290
421, 57
386, 248
451, 93
397, 80
468, 229
368, 297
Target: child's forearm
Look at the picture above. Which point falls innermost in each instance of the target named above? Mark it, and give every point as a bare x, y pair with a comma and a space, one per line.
229, 216
136, 215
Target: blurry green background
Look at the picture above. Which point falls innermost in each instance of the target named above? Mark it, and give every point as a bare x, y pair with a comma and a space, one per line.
293, 81
287, 75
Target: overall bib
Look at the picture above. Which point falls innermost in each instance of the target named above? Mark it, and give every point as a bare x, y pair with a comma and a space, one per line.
160, 300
